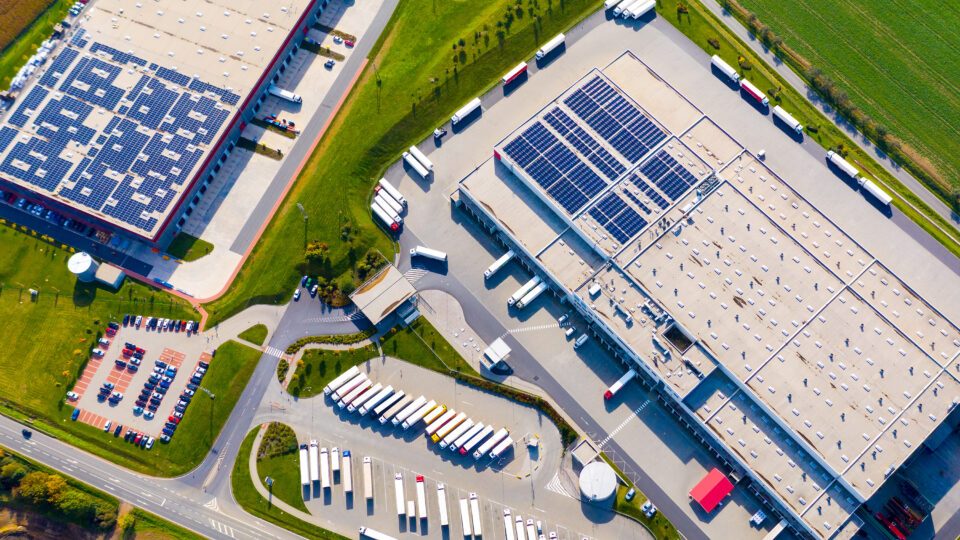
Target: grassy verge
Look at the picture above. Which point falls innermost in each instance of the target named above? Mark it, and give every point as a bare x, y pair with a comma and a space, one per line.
278, 457
26, 24
660, 526
701, 26
422, 344
255, 334
410, 85
148, 526
317, 367
342, 339
188, 248
249, 498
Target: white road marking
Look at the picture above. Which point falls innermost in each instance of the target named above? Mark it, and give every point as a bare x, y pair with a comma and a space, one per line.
623, 424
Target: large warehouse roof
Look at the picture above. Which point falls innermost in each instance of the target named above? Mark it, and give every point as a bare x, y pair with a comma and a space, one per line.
119, 122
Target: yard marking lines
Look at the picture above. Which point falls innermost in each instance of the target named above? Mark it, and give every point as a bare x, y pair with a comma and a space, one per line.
273, 351
414, 274
556, 486
623, 424
530, 329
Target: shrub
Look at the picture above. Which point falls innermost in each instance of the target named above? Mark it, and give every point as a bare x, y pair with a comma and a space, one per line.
279, 439
282, 368
714, 42
345, 339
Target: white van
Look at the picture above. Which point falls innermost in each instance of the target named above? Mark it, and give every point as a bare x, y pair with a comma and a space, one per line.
581, 341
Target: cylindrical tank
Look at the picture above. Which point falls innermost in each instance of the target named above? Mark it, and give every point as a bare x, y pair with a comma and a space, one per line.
598, 482
83, 266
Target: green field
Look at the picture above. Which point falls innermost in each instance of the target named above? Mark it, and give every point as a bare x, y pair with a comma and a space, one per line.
26, 24
317, 367
422, 344
278, 458
411, 85
896, 60
255, 334
188, 248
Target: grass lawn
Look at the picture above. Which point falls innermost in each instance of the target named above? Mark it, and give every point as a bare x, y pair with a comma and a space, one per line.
415, 87
249, 498
285, 472
255, 334
188, 248
896, 61
700, 26
660, 526
317, 367
26, 24
417, 345
148, 526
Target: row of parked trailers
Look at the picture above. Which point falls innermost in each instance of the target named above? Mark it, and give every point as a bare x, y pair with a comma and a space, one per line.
388, 204
354, 391
633, 9
794, 125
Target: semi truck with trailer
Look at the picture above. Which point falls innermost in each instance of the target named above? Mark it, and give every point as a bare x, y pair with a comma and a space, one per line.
367, 479
627, 12
607, 4
487, 446
788, 119
465, 517
365, 397
843, 164
641, 8
324, 468
314, 461
387, 403
448, 427
522, 291
434, 254
456, 433
341, 380
384, 217
374, 400
498, 264
550, 46
754, 92
415, 165
518, 521
471, 107
334, 461
346, 474
421, 157
398, 491
284, 94
475, 511
531, 296
355, 393
508, 524
531, 531
875, 190
304, 466
421, 499
725, 68
410, 409
392, 191
437, 412
621, 382
501, 447
512, 75
624, 4
418, 415
347, 387
387, 202
373, 534
475, 440
442, 504
434, 425
466, 436
379, 200
392, 411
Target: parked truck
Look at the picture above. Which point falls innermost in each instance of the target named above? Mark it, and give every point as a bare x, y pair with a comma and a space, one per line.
448, 427
415, 165
467, 110
466, 436
434, 254
788, 119
284, 94
421, 499
508, 524
392, 191
475, 511
374, 400
498, 264
442, 504
373, 534
518, 70
365, 385
501, 447
364, 397
522, 291
314, 461
475, 440
465, 517
456, 433
304, 466
346, 474
392, 411
388, 203
398, 490
348, 387
381, 201
532, 295
621, 382
324, 468
416, 153
437, 412
334, 461
875, 190
487, 446
624, 4
754, 92
384, 217
843, 164
341, 380
367, 479
408, 410
519, 526
418, 415
434, 425
641, 8
725, 68
550, 46
387, 404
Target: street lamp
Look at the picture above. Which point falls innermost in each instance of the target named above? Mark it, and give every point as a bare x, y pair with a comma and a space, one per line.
305, 220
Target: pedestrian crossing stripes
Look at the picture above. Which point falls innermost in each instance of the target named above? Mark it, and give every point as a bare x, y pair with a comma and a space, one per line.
530, 329
414, 274
222, 528
273, 351
556, 486
335, 318
623, 424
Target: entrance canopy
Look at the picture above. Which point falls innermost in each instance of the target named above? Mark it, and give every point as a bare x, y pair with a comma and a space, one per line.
711, 490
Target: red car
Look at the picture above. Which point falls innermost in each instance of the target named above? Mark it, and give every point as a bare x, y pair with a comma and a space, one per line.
139, 350
174, 419
137, 439
127, 353
349, 43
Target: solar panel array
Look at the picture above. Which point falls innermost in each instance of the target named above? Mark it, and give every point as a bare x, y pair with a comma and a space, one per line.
136, 167
560, 172
614, 118
617, 218
578, 137
668, 175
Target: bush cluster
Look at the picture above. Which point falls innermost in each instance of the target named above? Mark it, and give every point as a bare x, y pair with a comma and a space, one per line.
345, 339
279, 439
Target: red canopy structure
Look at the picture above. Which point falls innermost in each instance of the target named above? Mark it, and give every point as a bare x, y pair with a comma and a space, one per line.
711, 490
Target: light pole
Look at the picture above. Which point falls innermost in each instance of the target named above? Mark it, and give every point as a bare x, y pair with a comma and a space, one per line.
305, 220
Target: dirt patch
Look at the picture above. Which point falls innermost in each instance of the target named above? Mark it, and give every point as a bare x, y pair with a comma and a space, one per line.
23, 524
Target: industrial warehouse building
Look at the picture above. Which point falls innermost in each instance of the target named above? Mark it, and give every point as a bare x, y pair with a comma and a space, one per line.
126, 124
810, 368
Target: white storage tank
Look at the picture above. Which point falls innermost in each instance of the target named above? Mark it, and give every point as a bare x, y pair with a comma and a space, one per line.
82, 265
598, 482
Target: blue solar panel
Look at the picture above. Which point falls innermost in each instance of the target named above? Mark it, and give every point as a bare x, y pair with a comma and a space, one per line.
569, 197
31, 102
617, 218
650, 192
6, 137
587, 180
520, 151
59, 67
562, 158
78, 40
117, 56
668, 175
584, 143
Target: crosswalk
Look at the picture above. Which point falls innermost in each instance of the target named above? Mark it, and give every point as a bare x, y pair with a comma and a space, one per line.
273, 351
631, 416
414, 274
523, 329
222, 528
335, 318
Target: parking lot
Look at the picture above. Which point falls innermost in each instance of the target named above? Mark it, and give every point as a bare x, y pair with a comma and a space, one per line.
117, 372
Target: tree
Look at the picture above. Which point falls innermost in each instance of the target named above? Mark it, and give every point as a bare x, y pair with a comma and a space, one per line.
33, 487
75, 505
126, 523
56, 487
12, 473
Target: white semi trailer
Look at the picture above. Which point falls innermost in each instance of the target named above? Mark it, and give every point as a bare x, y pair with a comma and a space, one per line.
508, 524
335, 460
624, 4
501, 447
788, 119
475, 511
435, 254
394, 192
438, 423
843, 164
465, 517
475, 440
304, 466
314, 461
455, 434
338, 394
415, 165
416, 153
550, 46
487, 446
725, 68
355, 393
421, 499
341, 380
365, 397
384, 199
375, 400
642, 8
522, 291
346, 474
875, 190
284, 94
408, 410
375, 534
384, 216
386, 405
324, 468
466, 436
448, 428
392, 411
531, 296
442, 504
498, 264
434, 414
367, 479
621, 382
465, 111
418, 415
398, 491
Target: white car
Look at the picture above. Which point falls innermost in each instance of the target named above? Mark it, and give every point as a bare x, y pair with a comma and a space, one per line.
106, 427
149, 443
73, 396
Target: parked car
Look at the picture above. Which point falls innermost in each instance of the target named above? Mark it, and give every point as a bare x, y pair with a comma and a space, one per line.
73, 396
296, 295
153, 407
160, 364
126, 319
149, 444
329, 64
116, 432
188, 392
120, 363
106, 427
148, 415
139, 320
75, 414
138, 410
138, 438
